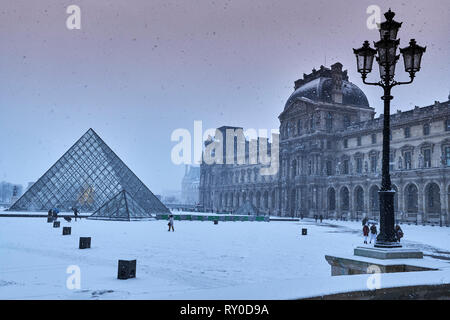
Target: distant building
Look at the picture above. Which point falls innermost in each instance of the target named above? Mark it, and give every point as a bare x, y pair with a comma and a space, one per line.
9, 192
330, 158
190, 185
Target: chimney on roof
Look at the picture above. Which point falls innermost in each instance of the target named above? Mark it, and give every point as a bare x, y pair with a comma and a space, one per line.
336, 78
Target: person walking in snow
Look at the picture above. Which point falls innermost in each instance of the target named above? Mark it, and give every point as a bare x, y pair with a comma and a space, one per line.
170, 224
365, 233
75, 213
373, 233
398, 232
321, 218
55, 212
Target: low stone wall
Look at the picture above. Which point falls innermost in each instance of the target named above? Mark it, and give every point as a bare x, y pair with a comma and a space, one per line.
18, 215
423, 292
227, 217
342, 266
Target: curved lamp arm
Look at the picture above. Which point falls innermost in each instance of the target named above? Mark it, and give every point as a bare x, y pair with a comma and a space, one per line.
398, 83
371, 83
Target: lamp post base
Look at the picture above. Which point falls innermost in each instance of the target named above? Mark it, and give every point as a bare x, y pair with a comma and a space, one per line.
384, 244
387, 238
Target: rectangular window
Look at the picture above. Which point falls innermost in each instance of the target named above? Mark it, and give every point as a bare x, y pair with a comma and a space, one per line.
299, 127
329, 168
329, 122
447, 125
358, 141
328, 144
426, 129
408, 163
374, 138
373, 163
407, 131
345, 167
345, 143
427, 158
346, 121
447, 156
359, 165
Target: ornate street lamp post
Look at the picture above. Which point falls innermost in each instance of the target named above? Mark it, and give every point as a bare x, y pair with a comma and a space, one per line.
386, 56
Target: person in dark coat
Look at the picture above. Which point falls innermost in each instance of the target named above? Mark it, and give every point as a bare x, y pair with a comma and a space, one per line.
55, 213
398, 232
321, 218
75, 213
373, 233
365, 233
170, 224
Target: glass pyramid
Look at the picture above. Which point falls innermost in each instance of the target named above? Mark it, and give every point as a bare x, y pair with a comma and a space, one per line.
121, 207
247, 209
86, 177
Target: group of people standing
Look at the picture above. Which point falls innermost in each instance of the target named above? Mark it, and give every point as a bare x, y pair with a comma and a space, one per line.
53, 212
318, 217
372, 232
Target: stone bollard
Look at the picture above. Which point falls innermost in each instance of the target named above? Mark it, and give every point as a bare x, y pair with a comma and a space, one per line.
126, 269
85, 242
56, 224
304, 231
67, 231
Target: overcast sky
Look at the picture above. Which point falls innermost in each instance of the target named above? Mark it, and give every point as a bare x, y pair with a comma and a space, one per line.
139, 69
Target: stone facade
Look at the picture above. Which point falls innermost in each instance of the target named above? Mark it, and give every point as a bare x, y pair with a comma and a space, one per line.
190, 185
330, 158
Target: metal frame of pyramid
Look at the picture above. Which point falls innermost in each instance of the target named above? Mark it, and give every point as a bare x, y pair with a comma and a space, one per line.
121, 207
247, 208
87, 176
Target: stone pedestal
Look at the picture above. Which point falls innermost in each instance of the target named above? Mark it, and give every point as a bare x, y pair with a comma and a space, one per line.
386, 260
394, 253
349, 266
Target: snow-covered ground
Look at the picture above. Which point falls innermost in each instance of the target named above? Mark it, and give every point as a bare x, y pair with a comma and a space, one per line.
200, 260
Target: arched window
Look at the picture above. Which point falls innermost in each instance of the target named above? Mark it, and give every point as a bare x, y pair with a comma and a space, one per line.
433, 198
345, 199
359, 199
411, 198
374, 199
395, 198
331, 199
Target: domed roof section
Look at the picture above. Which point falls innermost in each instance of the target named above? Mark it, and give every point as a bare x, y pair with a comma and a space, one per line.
318, 88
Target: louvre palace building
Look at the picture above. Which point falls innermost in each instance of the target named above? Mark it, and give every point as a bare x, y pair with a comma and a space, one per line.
330, 158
